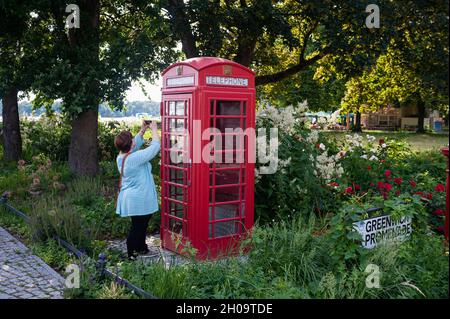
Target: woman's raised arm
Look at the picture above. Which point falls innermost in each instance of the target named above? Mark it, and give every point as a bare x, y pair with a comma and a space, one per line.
147, 154
139, 138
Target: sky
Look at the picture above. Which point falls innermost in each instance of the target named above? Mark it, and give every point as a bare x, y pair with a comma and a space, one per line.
135, 93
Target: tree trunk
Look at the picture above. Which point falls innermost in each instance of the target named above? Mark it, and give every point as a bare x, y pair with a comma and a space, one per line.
421, 119
83, 158
245, 51
181, 26
83, 150
12, 141
357, 127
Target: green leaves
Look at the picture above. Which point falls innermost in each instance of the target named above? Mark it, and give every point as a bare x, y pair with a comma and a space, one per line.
415, 66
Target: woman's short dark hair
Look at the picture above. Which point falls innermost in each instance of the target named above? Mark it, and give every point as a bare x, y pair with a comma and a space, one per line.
123, 141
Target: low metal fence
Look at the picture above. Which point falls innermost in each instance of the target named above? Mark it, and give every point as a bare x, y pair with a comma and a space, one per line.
102, 271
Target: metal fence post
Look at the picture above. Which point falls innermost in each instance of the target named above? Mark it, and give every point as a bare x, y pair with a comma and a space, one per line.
101, 266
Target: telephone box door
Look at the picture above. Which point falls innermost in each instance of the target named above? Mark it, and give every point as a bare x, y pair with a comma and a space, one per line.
230, 174
175, 169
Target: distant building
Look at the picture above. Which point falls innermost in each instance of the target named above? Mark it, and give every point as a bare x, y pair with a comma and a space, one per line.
392, 119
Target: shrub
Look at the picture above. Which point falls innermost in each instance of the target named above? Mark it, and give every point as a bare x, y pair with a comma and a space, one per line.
299, 184
48, 135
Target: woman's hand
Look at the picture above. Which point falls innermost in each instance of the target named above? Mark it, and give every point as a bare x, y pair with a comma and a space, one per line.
144, 128
154, 128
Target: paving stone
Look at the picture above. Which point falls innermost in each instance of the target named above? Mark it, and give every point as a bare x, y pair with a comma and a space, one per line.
24, 275
156, 252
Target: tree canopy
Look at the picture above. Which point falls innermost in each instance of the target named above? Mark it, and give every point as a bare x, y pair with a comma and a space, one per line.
280, 38
414, 70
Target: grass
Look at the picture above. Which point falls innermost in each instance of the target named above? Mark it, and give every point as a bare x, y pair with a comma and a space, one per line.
289, 260
418, 142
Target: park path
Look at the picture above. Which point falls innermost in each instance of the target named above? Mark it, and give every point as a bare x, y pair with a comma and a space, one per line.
24, 275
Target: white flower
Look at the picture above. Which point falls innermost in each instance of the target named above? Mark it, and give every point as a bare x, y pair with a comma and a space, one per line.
284, 163
371, 138
283, 118
364, 156
313, 137
322, 147
373, 158
383, 145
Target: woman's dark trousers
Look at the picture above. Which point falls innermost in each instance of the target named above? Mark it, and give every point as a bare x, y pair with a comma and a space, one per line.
138, 232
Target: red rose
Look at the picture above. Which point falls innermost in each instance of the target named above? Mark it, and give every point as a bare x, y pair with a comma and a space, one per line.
398, 180
387, 186
385, 195
382, 161
419, 193
440, 229
430, 196
439, 212
369, 168
357, 187
372, 184
349, 190
412, 183
387, 173
397, 192
380, 185
439, 188
334, 184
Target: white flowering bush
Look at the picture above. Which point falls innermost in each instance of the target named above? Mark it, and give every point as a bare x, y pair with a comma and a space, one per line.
305, 166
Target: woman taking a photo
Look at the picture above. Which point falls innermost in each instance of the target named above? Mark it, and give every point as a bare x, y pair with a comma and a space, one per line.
137, 198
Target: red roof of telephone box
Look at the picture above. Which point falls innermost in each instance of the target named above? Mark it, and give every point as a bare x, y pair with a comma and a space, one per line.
200, 63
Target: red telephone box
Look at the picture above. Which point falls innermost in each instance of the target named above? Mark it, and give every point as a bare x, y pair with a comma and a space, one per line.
207, 195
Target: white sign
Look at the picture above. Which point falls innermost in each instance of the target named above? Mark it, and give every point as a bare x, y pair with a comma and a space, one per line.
383, 228
180, 81
224, 80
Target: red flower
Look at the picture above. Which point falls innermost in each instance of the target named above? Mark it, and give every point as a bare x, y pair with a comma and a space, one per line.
381, 141
385, 195
430, 196
397, 192
357, 187
334, 184
349, 190
398, 180
412, 183
382, 161
387, 173
440, 229
419, 193
439, 212
387, 186
380, 185
439, 188
372, 184
369, 168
